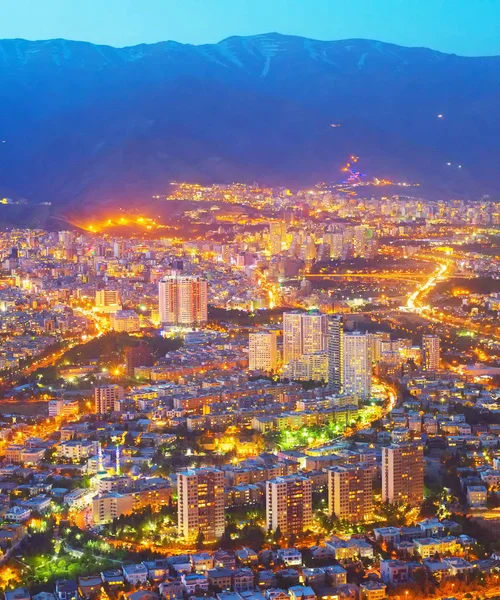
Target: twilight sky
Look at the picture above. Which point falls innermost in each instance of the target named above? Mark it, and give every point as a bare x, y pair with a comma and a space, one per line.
468, 27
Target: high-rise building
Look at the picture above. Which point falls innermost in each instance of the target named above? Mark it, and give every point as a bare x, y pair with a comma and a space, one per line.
403, 471
304, 333
183, 300
336, 242
431, 352
305, 344
105, 397
350, 492
357, 364
107, 300
201, 504
263, 351
289, 504
336, 352
277, 234
292, 336
377, 344
118, 248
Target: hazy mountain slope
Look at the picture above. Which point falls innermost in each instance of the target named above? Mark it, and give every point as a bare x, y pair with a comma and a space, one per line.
91, 122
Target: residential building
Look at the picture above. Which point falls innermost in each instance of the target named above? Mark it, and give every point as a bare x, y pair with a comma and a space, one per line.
109, 506
263, 351
403, 470
357, 364
431, 352
335, 353
105, 397
183, 300
201, 504
350, 492
289, 504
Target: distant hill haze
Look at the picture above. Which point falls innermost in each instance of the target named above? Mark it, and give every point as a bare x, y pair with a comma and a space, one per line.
81, 122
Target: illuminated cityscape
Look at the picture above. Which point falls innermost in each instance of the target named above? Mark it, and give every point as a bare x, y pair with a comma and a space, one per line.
249, 303
301, 401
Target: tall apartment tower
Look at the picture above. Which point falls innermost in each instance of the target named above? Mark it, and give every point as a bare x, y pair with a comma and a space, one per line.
292, 336
357, 364
403, 470
263, 351
304, 333
289, 504
201, 504
431, 352
277, 233
336, 353
183, 300
350, 492
105, 397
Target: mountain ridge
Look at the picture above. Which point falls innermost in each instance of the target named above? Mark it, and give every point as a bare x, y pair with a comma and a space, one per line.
84, 122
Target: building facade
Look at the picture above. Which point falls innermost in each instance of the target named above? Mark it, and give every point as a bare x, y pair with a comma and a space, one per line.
201, 504
403, 470
289, 504
350, 492
182, 300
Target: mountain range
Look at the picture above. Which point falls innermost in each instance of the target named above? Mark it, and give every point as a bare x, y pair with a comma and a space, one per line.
82, 123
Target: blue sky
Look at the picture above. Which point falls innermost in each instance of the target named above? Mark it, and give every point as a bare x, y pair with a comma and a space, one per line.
468, 27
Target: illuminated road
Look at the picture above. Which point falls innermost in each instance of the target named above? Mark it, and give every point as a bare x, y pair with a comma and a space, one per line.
416, 304
394, 276
415, 301
51, 359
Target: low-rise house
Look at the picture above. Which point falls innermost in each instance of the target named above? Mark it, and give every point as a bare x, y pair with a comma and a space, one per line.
247, 556
113, 578
301, 592
227, 596
393, 572
66, 589
336, 575
287, 577
266, 579
276, 594
195, 583
373, 590
18, 514
224, 559
202, 561
44, 596
172, 588
180, 564
21, 593
11, 534
220, 578
314, 576
476, 496
87, 586
243, 579
291, 557
437, 568
458, 565
252, 595
387, 535
157, 569
135, 573
40, 503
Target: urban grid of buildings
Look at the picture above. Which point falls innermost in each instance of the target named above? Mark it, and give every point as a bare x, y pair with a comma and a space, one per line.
300, 402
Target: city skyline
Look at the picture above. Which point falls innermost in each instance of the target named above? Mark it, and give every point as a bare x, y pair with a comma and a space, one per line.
249, 301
